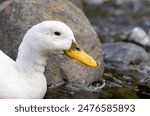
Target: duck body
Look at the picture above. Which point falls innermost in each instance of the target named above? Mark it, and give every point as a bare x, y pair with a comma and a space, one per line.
24, 77
16, 82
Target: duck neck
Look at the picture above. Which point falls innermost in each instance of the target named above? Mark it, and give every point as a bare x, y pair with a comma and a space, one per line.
31, 61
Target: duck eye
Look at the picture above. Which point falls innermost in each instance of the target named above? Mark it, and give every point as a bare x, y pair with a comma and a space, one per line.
57, 33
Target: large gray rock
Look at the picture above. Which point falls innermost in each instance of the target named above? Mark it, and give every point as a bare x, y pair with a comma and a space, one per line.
20, 15
122, 54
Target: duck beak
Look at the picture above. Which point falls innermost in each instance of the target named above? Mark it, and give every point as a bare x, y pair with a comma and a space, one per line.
77, 53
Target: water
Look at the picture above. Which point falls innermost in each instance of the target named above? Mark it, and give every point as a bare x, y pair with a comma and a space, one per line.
117, 86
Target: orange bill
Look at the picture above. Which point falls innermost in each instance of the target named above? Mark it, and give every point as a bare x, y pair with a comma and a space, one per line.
77, 53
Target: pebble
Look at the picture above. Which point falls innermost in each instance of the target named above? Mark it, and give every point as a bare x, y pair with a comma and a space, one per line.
139, 36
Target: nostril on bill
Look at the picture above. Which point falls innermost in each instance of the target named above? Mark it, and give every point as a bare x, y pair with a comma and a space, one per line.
77, 48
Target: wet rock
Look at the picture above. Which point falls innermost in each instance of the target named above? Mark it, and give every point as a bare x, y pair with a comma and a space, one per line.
144, 84
144, 87
127, 79
20, 15
112, 81
139, 36
145, 68
122, 54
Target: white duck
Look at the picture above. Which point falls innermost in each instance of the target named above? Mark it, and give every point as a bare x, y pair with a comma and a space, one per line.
24, 78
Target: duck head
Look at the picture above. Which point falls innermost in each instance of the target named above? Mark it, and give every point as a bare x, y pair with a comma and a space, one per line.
55, 37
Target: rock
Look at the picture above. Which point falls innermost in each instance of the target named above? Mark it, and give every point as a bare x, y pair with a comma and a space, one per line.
78, 3
122, 54
144, 84
144, 87
94, 2
119, 2
2, 1
4, 4
139, 36
20, 15
127, 79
